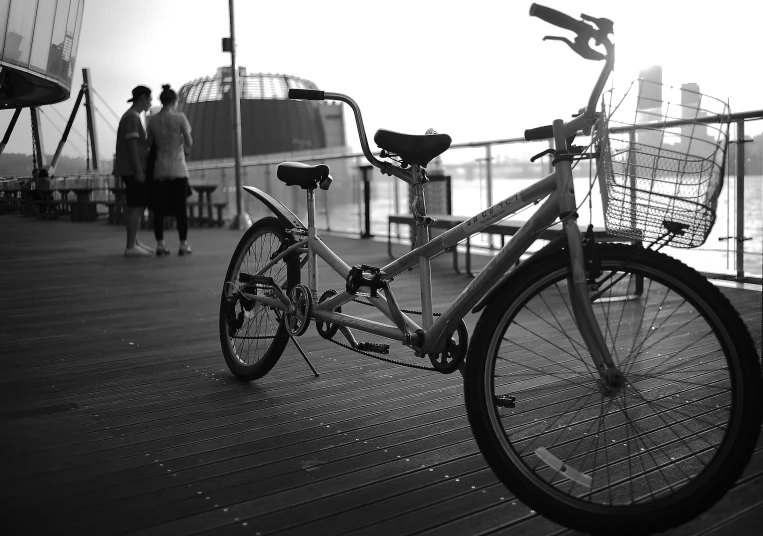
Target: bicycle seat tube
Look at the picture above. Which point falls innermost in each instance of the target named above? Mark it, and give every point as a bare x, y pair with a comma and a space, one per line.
419, 209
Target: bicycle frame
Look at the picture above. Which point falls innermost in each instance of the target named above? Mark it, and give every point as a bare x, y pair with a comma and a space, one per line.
430, 338
432, 335
406, 330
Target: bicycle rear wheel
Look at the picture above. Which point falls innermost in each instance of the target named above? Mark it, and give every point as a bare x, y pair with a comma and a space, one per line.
253, 335
645, 457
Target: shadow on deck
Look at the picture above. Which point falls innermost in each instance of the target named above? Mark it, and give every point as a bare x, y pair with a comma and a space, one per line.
118, 414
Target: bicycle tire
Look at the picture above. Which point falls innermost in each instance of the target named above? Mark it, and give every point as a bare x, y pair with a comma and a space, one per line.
252, 349
648, 457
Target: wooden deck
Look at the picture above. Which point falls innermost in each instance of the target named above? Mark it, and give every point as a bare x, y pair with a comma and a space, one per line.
118, 414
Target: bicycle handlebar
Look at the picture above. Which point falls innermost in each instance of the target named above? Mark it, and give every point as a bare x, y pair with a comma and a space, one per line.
584, 33
385, 167
539, 133
557, 18
307, 94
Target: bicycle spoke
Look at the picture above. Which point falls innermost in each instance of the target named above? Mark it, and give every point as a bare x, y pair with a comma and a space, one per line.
544, 371
575, 440
613, 338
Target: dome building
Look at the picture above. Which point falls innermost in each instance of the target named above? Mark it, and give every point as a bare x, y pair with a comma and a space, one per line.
270, 122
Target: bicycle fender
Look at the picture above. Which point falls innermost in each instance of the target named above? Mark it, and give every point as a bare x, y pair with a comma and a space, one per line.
506, 279
282, 212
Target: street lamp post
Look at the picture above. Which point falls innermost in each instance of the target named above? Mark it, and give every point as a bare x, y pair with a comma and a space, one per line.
242, 220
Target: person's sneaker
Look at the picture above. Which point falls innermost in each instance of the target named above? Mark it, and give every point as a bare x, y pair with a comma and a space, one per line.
161, 251
136, 252
148, 248
185, 249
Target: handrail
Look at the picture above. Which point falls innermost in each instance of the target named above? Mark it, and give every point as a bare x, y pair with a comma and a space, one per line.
705, 120
739, 116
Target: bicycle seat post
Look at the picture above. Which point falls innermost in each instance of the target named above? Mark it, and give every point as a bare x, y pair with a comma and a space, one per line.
312, 265
419, 209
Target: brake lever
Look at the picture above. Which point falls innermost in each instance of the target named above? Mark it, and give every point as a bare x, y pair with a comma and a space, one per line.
581, 47
605, 26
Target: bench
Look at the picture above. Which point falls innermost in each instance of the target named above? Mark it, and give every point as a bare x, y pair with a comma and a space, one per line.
193, 220
147, 221
444, 222
504, 228
116, 211
201, 219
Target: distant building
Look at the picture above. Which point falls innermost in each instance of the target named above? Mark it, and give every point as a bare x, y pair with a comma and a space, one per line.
270, 122
659, 103
39, 48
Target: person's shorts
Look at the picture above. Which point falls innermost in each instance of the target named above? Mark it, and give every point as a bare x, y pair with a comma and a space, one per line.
136, 193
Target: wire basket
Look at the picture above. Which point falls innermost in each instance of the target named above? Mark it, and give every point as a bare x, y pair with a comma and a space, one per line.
661, 167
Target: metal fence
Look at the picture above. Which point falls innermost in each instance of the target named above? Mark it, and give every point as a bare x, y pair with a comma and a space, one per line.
482, 173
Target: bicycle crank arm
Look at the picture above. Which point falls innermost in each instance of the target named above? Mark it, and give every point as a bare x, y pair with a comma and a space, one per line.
271, 302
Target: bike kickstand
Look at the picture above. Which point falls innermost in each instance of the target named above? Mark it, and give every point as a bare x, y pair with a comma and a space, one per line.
303, 355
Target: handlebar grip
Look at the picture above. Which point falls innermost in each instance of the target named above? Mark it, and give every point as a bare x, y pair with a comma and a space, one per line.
306, 94
540, 133
557, 18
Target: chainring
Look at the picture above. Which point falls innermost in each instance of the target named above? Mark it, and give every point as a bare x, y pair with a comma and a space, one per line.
327, 330
454, 352
297, 319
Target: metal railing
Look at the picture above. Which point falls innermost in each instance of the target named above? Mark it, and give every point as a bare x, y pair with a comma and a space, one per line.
484, 171
480, 173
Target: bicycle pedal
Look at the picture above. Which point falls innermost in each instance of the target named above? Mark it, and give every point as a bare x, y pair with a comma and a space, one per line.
373, 347
254, 279
262, 280
505, 401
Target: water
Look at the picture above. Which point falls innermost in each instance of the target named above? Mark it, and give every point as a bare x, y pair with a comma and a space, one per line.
718, 256
341, 209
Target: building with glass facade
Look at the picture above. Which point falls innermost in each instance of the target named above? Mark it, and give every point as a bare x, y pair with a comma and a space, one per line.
270, 122
38, 50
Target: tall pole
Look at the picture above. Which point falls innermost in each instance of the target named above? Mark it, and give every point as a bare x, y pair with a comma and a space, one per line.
87, 83
242, 220
65, 135
39, 149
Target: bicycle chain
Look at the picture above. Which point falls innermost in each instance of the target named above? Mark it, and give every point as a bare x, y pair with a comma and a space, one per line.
380, 358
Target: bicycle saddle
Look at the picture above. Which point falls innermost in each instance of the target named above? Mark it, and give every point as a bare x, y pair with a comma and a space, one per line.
303, 175
413, 149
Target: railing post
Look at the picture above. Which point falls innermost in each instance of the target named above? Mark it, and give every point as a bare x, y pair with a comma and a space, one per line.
489, 183
489, 171
396, 189
366, 170
740, 200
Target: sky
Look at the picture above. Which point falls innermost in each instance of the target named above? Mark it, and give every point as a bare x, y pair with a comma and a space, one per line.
476, 70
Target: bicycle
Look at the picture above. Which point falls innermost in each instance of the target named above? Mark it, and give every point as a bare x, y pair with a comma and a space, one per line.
609, 386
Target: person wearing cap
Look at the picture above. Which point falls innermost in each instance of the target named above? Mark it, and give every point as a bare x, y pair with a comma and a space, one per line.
130, 165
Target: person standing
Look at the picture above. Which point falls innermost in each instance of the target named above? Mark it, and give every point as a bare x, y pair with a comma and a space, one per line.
170, 131
43, 194
130, 165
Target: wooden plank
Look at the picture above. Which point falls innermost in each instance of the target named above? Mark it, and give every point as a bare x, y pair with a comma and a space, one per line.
155, 427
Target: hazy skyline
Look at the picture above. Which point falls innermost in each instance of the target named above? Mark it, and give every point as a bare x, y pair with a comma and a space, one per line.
476, 71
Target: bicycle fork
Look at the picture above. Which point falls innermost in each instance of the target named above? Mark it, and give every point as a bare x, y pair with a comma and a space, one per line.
582, 309
577, 283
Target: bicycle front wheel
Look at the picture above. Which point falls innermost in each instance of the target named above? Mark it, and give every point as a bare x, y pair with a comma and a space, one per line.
647, 456
253, 335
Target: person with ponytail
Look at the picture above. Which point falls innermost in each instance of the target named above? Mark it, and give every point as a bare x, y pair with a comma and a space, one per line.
169, 133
